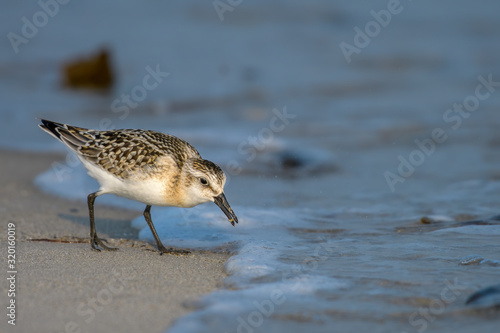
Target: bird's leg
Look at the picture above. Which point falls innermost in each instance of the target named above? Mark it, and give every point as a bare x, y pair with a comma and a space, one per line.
161, 249
94, 240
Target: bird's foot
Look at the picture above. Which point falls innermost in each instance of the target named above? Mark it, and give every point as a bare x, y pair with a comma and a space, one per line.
96, 242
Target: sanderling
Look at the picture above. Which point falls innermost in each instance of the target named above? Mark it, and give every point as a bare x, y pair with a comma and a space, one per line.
146, 166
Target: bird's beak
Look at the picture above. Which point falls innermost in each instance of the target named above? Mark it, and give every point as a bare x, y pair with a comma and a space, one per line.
221, 201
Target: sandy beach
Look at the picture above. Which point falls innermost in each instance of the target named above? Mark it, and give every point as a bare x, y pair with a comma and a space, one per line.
64, 286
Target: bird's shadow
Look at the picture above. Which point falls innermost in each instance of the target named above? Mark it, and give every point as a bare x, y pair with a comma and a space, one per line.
106, 227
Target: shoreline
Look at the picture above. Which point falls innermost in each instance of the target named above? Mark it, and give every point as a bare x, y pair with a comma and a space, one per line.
64, 286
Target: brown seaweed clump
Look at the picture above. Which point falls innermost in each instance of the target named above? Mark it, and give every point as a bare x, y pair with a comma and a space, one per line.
91, 73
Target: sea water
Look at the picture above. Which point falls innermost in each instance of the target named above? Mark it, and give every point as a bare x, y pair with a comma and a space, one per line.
370, 207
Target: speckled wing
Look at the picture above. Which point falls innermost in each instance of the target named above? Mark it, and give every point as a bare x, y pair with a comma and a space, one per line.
122, 152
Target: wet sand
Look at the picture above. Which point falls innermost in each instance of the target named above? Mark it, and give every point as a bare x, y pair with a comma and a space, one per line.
64, 286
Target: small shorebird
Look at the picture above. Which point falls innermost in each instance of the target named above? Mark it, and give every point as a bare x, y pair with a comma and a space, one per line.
146, 166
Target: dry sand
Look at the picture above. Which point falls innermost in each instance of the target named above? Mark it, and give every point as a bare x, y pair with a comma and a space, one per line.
67, 287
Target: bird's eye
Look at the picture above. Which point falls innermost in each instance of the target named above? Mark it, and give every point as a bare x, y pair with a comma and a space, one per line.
203, 181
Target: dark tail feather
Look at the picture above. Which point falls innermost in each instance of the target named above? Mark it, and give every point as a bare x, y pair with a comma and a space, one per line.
72, 136
51, 128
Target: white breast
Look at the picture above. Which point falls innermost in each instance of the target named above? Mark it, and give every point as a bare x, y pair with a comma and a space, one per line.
151, 191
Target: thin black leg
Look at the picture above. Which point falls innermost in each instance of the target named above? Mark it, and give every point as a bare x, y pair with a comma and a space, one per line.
94, 240
161, 249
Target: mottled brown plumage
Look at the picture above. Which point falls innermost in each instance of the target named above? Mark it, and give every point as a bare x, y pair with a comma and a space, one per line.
126, 151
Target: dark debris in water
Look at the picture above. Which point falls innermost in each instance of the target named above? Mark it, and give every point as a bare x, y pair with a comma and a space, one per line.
426, 220
291, 163
294, 164
478, 260
486, 297
471, 260
427, 224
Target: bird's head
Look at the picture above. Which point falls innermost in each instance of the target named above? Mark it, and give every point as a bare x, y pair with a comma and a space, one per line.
204, 182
